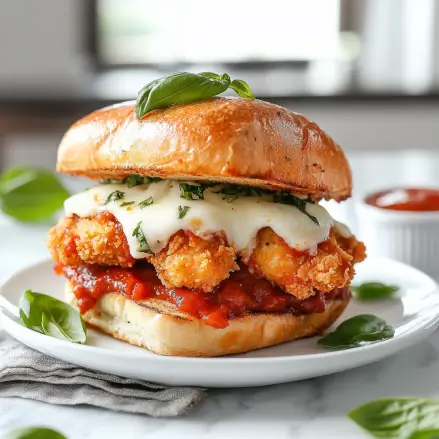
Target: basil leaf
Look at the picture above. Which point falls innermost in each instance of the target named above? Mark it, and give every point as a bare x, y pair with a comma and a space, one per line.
146, 203
51, 316
374, 291
287, 198
178, 88
397, 417
191, 191
31, 194
357, 331
425, 434
143, 99
242, 89
114, 196
184, 87
140, 236
27, 322
182, 211
34, 433
210, 75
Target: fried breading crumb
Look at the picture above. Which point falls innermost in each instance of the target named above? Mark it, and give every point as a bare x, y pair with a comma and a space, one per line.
194, 262
95, 240
299, 273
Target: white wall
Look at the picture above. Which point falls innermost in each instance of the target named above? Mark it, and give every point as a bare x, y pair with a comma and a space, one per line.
40, 43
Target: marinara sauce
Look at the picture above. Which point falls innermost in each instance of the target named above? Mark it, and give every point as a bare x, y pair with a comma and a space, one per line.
240, 293
408, 199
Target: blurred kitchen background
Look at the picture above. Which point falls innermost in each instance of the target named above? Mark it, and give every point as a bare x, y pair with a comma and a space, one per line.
366, 70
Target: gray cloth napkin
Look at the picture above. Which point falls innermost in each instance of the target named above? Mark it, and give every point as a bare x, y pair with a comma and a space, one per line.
26, 373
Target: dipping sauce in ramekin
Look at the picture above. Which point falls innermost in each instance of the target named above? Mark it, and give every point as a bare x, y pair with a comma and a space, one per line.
410, 199
403, 224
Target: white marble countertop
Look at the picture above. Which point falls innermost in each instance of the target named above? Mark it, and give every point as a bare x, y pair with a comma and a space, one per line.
309, 409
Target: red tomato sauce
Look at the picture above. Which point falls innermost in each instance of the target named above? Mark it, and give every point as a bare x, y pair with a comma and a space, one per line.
409, 199
234, 297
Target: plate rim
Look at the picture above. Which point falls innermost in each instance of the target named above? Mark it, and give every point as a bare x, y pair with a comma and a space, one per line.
428, 325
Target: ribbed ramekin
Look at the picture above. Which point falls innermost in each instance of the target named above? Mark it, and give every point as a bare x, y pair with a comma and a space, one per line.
410, 237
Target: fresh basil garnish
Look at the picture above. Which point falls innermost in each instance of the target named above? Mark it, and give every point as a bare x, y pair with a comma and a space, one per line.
357, 331
281, 197
286, 198
374, 291
242, 89
241, 191
31, 194
141, 240
425, 434
51, 316
191, 191
409, 418
127, 203
146, 203
132, 180
34, 433
114, 196
182, 211
181, 88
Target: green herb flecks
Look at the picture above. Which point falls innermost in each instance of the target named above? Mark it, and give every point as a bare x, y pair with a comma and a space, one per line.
236, 191
181, 88
137, 180
132, 180
286, 198
114, 196
110, 181
182, 211
146, 203
191, 191
242, 191
141, 240
127, 203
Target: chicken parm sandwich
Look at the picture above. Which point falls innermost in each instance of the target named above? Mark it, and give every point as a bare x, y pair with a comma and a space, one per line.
204, 236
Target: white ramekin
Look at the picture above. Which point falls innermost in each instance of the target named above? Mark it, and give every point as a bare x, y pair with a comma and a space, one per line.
410, 237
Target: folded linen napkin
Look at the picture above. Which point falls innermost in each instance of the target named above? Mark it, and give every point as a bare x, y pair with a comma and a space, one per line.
26, 373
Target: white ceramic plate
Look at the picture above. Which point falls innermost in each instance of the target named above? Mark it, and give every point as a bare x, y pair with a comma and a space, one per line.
414, 315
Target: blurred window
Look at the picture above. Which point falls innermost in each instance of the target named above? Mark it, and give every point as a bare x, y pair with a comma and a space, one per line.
139, 32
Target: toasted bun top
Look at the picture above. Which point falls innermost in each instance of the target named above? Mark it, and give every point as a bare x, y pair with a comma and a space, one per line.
234, 140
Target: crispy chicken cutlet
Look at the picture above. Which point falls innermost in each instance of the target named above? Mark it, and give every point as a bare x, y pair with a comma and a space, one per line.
203, 262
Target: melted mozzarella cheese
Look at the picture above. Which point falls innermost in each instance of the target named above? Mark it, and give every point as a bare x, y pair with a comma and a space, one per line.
240, 219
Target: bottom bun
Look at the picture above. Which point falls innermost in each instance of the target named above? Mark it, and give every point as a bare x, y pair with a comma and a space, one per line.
159, 327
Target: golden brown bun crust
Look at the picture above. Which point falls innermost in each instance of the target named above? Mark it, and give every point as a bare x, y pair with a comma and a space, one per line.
157, 326
222, 139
